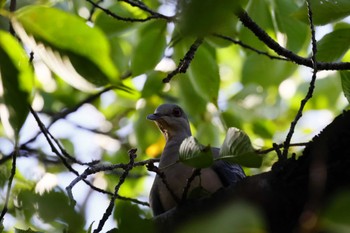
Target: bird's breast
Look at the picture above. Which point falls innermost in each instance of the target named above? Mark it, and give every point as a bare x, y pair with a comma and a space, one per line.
177, 176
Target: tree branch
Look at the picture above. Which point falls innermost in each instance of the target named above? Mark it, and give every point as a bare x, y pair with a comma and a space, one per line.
126, 19
9, 184
108, 212
186, 61
311, 86
272, 44
162, 176
243, 45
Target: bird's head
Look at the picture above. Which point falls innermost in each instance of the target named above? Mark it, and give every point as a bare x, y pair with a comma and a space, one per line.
172, 121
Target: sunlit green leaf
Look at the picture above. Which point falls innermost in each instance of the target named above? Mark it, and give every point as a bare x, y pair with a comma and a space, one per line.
237, 148
16, 83
260, 12
345, 82
71, 48
194, 103
264, 71
112, 26
195, 154
333, 46
17, 230
153, 84
204, 73
150, 49
296, 31
325, 11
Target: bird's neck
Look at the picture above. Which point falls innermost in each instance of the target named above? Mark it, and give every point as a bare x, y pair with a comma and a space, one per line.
170, 153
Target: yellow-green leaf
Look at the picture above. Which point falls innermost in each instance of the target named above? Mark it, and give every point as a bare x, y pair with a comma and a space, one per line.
16, 79
67, 44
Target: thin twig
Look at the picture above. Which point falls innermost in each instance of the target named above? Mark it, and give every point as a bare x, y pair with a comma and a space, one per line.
279, 146
311, 86
195, 173
162, 176
9, 184
243, 45
126, 19
186, 61
143, 7
44, 130
108, 212
66, 112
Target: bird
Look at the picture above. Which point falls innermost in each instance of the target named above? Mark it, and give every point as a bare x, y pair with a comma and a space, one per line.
165, 195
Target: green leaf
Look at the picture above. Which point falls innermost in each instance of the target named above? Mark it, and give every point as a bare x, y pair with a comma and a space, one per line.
194, 104
324, 11
260, 12
111, 26
237, 148
54, 206
201, 18
345, 82
153, 84
75, 51
296, 31
234, 217
16, 80
336, 215
17, 230
333, 46
150, 48
204, 73
264, 71
195, 154
130, 219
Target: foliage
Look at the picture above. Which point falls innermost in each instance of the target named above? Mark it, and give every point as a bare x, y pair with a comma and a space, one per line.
92, 70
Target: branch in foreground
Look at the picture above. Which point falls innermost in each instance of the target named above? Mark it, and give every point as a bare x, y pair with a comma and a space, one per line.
185, 62
108, 212
161, 174
66, 112
9, 185
243, 45
311, 86
272, 44
132, 20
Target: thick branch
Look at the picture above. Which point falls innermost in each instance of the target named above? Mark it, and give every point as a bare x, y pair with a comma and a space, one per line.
272, 44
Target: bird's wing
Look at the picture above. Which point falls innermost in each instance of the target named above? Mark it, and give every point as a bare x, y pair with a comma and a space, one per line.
229, 173
154, 199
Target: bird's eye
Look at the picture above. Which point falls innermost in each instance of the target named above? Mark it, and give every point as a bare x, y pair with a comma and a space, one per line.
177, 112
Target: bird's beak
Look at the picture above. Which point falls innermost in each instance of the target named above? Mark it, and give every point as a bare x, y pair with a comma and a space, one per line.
153, 117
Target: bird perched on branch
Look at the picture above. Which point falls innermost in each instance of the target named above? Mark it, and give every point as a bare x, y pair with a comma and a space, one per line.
169, 185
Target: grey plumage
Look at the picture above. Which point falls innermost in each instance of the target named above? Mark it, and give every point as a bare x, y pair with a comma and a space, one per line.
173, 123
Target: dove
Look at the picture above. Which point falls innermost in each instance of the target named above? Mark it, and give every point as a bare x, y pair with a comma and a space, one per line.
174, 125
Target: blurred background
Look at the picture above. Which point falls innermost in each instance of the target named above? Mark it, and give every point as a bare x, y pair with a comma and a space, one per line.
226, 85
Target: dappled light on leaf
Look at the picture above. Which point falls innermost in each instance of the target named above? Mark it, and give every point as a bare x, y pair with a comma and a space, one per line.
195, 154
237, 148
